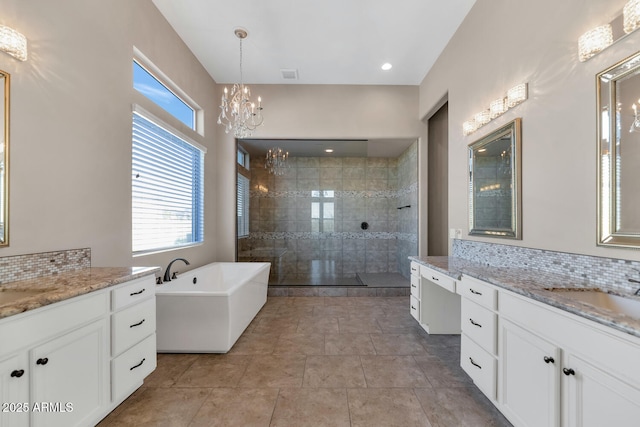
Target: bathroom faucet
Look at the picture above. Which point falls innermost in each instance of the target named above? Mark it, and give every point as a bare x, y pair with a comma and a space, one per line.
167, 273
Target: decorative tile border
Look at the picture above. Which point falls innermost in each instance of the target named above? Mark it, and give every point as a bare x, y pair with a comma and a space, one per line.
609, 273
32, 266
303, 235
373, 194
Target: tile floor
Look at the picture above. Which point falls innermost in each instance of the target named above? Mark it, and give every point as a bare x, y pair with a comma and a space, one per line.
316, 361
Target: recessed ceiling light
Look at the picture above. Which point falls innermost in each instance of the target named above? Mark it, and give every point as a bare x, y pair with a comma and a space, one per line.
386, 66
329, 150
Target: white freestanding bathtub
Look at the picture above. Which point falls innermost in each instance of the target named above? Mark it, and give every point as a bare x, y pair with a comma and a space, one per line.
205, 310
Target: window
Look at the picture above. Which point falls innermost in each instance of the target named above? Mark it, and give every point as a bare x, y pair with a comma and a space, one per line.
243, 158
167, 186
145, 83
322, 211
243, 205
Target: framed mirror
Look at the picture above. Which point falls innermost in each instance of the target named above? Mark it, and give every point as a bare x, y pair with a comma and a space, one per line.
494, 183
618, 89
4, 160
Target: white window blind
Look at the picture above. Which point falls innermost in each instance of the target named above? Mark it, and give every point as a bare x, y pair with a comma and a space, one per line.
243, 206
167, 188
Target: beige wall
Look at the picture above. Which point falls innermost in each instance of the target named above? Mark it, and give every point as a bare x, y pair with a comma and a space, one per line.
502, 43
71, 126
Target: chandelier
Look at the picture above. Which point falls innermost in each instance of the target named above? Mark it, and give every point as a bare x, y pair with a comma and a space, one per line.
635, 124
237, 111
276, 161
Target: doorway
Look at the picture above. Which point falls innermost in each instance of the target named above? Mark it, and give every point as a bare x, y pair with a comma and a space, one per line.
438, 183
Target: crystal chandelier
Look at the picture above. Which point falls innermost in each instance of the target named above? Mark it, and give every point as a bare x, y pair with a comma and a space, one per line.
276, 161
635, 124
237, 111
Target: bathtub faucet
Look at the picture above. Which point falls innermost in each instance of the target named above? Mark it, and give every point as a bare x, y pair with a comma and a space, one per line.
167, 273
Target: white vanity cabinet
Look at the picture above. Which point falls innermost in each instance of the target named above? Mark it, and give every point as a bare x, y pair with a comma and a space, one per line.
14, 390
478, 348
556, 368
62, 351
71, 373
439, 305
414, 307
70, 363
530, 377
133, 338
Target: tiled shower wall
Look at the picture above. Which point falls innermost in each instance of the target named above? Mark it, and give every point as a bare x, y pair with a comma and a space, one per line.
314, 214
407, 217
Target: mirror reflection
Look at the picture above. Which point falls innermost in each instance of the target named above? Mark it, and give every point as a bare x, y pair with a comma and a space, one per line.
494, 183
619, 154
4, 159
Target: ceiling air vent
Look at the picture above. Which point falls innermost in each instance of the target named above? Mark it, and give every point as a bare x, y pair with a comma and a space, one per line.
289, 73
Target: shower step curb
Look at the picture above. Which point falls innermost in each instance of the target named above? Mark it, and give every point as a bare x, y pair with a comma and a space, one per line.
336, 291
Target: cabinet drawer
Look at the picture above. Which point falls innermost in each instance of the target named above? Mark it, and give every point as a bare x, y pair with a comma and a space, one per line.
480, 324
480, 366
132, 292
415, 269
415, 286
438, 278
132, 325
479, 292
38, 325
415, 308
130, 368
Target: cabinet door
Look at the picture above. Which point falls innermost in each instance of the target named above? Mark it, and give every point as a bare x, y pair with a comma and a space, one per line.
14, 391
70, 378
529, 391
596, 398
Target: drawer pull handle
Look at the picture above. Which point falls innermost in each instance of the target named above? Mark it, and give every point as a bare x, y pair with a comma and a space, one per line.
138, 365
137, 293
137, 324
474, 323
548, 359
473, 291
17, 373
568, 372
43, 361
475, 364
413, 308
413, 286
434, 278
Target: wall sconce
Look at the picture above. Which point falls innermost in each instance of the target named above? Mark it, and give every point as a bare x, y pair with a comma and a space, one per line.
594, 41
516, 95
598, 39
631, 13
13, 43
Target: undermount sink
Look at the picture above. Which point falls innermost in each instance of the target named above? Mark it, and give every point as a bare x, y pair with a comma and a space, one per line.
11, 295
598, 298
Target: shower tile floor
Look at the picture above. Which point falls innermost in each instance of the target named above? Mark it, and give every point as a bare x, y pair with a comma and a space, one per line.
316, 361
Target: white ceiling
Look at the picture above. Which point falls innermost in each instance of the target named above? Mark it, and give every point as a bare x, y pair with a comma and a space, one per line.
328, 41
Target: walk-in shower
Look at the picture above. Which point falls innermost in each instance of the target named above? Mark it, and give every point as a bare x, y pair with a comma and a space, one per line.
332, 220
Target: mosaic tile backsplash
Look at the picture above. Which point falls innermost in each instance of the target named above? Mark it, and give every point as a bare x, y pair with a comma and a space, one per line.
611, 273
32, 266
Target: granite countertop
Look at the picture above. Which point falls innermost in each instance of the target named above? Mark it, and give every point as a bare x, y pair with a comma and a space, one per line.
536, 284
23, 295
